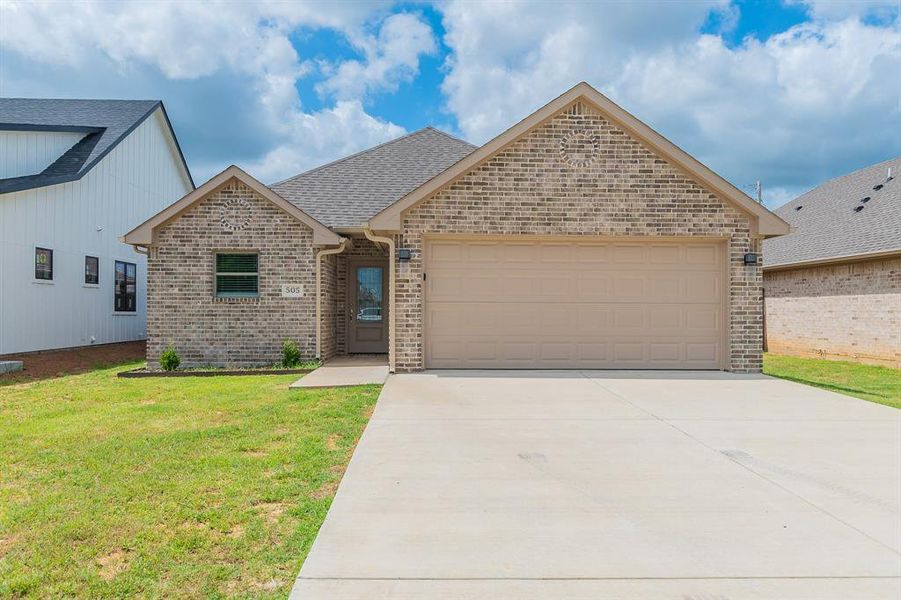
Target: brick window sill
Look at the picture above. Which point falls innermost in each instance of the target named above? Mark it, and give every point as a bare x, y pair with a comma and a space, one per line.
236, 300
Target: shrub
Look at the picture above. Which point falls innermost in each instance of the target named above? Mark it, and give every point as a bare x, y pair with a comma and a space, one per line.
290, 354
169, 359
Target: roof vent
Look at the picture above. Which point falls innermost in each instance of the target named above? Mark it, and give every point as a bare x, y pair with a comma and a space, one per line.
864, 200
799, 207
858, 208
877, 187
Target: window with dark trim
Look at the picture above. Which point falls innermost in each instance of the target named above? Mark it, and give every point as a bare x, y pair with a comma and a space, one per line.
91, 269
43, 264
237, 275
125, 290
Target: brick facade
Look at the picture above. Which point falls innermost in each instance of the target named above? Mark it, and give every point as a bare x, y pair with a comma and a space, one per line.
848, 312
330, 310
578, 174
205, 330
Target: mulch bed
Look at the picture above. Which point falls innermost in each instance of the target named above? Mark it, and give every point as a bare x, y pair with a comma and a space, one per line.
138, 373
56, 363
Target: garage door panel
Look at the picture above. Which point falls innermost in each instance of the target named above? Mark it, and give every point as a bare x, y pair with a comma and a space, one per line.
520, 304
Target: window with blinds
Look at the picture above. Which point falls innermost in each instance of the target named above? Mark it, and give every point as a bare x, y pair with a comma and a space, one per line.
237, 275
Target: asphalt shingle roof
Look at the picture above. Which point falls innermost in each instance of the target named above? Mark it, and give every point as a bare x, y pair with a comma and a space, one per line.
827, 225
349, 191
104, 122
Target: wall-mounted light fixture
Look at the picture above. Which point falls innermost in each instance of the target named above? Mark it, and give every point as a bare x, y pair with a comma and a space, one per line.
751, 258
404, 254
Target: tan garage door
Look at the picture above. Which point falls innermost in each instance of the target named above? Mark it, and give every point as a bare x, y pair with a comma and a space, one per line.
515, 303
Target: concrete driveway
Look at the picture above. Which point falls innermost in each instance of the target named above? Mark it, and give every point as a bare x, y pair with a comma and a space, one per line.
528, 485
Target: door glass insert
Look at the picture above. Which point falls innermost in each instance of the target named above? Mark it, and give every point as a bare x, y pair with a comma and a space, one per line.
369, 294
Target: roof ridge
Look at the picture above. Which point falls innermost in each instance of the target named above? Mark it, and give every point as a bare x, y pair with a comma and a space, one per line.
449, 136
82, 99
350, 156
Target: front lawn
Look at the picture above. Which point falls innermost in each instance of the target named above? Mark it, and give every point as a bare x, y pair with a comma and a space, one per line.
876, 384
206, 487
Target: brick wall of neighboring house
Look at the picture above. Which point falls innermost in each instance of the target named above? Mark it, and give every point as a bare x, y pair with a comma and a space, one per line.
358, 247
531, 188
848, 312
182, 307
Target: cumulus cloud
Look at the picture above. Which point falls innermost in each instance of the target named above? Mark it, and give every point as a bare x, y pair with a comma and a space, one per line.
813, 102
392, 57
249, 43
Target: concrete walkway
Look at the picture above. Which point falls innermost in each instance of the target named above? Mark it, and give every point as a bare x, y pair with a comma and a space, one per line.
345, 371
594, 485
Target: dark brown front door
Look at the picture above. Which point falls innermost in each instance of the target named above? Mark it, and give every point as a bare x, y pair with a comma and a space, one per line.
367, 326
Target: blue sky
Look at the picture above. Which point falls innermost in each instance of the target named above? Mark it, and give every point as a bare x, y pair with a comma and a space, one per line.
788, 92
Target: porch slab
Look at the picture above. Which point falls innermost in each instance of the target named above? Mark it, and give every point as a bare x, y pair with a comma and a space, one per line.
346, 371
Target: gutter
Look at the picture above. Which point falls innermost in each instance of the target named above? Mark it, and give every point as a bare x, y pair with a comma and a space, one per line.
389, 241
319, 256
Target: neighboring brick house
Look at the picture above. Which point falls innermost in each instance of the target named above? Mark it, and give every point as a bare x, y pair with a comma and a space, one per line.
579, 238
833, 286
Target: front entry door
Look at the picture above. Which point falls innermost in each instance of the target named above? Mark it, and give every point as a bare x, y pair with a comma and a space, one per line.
367, 327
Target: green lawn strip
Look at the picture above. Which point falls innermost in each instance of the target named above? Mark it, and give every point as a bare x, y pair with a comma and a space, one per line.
876, 384
211, 487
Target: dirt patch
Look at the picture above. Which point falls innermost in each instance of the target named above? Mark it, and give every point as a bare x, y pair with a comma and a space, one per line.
326, 490
271, 511
6, 543
236, 531
112, 564
56, 363
331, 443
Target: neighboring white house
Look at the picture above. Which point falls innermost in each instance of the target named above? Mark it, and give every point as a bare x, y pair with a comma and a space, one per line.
74, 176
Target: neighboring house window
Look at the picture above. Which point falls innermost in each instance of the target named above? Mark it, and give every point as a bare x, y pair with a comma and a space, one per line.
237, 275
43, 264
125, 290
91, 269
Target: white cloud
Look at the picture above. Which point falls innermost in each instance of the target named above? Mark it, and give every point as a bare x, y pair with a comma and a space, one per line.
325, 135
249, 42
392, 57
813, 102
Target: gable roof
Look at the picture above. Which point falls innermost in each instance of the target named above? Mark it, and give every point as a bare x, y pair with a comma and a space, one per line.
143, 234
347, 192
767, 223
105, 123
827, 226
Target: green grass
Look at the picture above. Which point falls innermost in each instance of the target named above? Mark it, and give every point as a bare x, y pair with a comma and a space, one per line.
207, 487
876, 384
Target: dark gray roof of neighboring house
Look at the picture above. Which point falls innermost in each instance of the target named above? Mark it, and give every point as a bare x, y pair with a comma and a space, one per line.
349, 191
828, 226
104, 122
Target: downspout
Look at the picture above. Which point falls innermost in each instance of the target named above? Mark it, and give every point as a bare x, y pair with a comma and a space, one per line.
319, 256
389, 241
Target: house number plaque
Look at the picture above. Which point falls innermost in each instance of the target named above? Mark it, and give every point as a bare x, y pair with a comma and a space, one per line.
292, 290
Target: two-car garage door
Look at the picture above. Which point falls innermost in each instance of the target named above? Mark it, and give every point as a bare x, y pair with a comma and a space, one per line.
519, 303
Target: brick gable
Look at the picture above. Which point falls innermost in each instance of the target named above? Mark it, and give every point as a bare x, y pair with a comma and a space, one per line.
578, 174
182, 308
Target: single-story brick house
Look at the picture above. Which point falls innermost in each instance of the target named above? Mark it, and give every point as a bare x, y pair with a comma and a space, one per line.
833, 286
578, 238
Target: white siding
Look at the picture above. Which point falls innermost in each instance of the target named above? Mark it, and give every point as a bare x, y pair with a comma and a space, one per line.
30, 152
137, 179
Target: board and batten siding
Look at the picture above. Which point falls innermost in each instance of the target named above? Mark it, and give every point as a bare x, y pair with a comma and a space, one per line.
142, 175
30, 152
